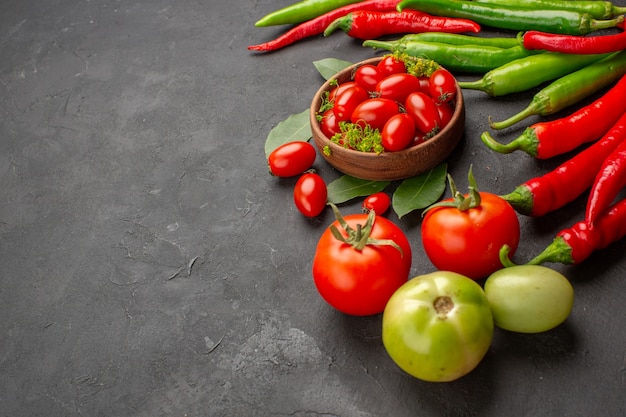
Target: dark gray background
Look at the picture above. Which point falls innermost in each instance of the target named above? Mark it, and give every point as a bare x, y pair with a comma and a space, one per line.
152, 267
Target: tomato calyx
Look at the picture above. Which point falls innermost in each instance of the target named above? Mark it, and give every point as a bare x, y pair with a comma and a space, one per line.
360, 237
459, 200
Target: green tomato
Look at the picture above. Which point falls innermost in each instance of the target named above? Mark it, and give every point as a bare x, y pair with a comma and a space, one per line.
529, 298
438, 326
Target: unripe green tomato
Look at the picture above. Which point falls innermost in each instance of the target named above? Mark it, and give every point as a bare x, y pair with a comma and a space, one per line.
529, 298
438, 326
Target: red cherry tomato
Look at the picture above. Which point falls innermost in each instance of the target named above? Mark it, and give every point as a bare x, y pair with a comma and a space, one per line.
347, 100
379, 202
424, 112
442, 86
335, 91
310, 194
292, 158
360, 281
398, 132
329, 123
390, 65
367, 76
468, 241
397, 86
446, 111
375, 112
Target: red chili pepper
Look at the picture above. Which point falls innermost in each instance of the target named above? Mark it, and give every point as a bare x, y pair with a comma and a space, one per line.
569, 180
317, 25
371, 25
611, 178
574, 44
547, 139
575, 244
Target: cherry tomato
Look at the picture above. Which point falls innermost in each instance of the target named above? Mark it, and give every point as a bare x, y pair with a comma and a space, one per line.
329, 123
438, 327
446, 111
347, 100
442, 86
379, 202
529, 298
398, 132
367, 76
424, 112
469, 241
390, 65
292, 158
310, 194
397, 86
335, 91
375, 112
360, 281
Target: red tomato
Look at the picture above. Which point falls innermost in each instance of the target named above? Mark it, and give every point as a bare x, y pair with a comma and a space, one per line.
390, 65
360, 281
329, 123
292, 158
442, 86
397, 86
347, 100
367, 76
468, 242
424, 112
446, 111
424, 83
375, 112
310, 194
335, 91
398, 132
379, 202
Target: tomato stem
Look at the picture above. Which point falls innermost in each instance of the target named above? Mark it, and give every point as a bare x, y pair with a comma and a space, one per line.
459, 200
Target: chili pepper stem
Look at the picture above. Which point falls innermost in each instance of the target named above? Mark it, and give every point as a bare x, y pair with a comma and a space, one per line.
344, 23
376, 44
557, 252
499, 147
531, 110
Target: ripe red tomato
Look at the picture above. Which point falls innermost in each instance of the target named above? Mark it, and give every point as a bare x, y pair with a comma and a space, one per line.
367, 76
397, 86
292, 158
424, 112
379, 202
446, 111
310, 194
329, 123
398, 132
347, 100
468, 241
335, 91
375, 112
390, 65
360, 281
442, 86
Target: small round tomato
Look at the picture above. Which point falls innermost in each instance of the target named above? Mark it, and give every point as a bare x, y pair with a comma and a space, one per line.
529, 298
329, 123
424, 112
292, 158
442, 86
357, 276
398, 132
378, 202
347, 100
375, 112
335, 91
446, 111
438, 327
367, 76
310, 194
390, 65
397, 86
468, 240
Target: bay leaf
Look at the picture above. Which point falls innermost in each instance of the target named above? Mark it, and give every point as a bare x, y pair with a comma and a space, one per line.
296, 127
420, 191
346, 188
328, 67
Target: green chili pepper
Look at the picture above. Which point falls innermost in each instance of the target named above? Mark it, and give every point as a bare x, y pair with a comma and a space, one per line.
461, 58
596, 8
461, 39
571, 88
513, 18
530, 71
300, 12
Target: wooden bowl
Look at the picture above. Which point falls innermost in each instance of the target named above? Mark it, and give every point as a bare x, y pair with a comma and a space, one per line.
387, 166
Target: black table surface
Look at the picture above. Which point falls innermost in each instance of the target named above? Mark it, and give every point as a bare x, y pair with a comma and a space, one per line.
152, 267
